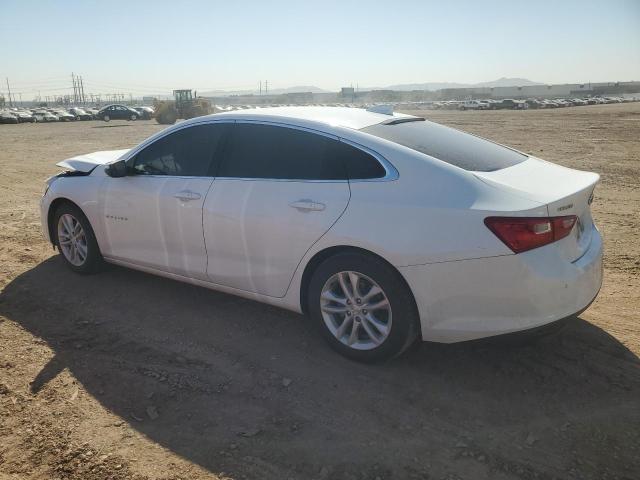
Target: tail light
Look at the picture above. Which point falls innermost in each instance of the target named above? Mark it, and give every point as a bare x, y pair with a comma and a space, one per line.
525, 233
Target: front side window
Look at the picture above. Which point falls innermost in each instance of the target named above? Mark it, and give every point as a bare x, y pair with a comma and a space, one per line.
187, 152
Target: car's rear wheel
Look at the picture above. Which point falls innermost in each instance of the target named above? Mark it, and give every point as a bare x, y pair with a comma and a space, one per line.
363, 307
106, 118
134, 117
75, 239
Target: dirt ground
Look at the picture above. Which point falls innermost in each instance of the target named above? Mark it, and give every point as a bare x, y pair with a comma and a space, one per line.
125, 375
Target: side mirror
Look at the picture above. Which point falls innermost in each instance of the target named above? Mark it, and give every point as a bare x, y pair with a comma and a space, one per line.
117, 169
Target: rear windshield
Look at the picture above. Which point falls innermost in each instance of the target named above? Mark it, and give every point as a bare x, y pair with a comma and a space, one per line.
452, 146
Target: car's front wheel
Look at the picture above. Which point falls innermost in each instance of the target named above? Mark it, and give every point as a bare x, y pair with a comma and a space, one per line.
134, 117
363, 307
75, 239
106, 118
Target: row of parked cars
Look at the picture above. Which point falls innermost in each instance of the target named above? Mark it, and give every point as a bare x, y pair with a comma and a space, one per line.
70, 114
512, 104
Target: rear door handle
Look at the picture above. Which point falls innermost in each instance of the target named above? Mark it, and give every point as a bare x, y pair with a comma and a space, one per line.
306, 205
187, 195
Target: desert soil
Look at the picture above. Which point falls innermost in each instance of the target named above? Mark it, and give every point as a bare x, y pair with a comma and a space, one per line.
124, 375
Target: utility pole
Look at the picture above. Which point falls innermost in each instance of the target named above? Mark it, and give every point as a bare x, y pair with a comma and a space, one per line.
84, 98
260, 87
9, 89
73, 81
266, 87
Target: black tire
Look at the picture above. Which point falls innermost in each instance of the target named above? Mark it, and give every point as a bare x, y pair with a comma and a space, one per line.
405, 323
93, 261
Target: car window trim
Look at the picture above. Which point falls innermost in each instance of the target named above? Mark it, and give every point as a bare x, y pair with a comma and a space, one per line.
391, 173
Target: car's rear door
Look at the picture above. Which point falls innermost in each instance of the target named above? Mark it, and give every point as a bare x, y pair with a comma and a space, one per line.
278, 190
153, 217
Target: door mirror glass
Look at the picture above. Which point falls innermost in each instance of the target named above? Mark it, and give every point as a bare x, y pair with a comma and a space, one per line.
117, 169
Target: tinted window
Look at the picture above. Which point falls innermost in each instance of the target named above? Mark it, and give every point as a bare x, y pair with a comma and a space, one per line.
187, 152
359, 164
266, 151
449, 145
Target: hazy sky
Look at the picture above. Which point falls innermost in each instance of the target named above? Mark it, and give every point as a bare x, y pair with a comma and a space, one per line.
155, 46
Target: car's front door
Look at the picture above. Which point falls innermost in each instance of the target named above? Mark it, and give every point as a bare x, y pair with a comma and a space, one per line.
277, 191
153, 217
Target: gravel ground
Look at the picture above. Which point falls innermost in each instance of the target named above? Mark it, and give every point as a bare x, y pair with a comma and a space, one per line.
124, 375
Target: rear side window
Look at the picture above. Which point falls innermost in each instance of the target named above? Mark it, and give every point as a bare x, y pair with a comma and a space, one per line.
274, 152
267, 151
188, 152
449, 145
359, 164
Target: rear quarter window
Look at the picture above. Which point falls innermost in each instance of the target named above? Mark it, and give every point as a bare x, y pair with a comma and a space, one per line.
449, 145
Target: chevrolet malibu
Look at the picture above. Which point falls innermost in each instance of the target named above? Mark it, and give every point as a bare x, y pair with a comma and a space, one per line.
382, 227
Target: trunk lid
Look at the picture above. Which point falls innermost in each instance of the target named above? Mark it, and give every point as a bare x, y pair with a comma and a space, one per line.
563, 190
86, 163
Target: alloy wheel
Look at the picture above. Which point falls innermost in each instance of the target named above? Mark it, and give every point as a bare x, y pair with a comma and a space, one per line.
72, 240
356, 310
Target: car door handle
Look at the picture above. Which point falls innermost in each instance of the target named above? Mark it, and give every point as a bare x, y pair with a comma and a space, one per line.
187, 195
306, 205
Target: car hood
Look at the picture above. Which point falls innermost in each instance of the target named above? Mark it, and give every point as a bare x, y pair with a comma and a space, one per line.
86, 163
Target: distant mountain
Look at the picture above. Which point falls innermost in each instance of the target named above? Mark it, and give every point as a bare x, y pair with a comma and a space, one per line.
404, 87
432, 86
508, 82
274, 91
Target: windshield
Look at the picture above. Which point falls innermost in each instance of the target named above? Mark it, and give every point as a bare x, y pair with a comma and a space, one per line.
449, 145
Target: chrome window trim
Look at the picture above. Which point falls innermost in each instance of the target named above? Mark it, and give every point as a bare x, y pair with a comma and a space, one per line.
391, 173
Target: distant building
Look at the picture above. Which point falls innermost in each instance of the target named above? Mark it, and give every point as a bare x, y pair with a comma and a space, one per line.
347, 91
542, 91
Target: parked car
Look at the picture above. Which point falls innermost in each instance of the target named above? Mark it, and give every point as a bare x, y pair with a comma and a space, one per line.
8, 117
383, 228
146, 113
473, 105
25, 116
549, 103
44, 116
80, 114
117, 112
533, 103
509, 103
63, 116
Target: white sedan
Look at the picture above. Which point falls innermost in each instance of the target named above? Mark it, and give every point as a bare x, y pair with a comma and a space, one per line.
383, 228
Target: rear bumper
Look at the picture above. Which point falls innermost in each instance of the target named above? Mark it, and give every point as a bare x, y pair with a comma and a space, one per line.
471, 299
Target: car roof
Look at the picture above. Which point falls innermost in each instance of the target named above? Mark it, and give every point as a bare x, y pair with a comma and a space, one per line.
355, 118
